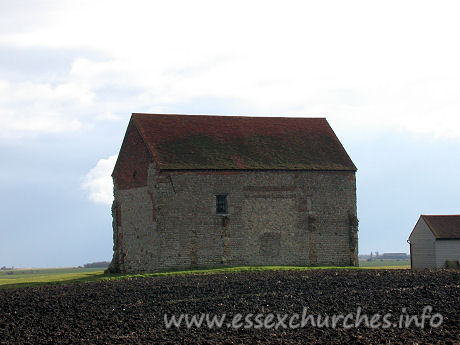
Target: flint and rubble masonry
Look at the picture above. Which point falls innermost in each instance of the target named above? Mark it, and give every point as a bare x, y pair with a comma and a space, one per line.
274, 218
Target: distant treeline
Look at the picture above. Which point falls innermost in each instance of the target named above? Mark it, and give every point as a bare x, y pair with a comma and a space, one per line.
100, 264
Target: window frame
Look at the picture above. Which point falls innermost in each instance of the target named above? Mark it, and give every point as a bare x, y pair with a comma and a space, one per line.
221, 205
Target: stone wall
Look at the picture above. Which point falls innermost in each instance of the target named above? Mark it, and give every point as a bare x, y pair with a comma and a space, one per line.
274, 218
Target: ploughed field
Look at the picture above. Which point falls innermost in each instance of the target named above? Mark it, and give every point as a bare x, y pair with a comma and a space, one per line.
132, 310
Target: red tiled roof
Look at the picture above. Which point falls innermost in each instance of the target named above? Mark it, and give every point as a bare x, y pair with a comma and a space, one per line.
443, 226
240, 142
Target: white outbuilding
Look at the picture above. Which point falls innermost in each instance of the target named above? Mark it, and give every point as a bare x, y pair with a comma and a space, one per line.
435, 242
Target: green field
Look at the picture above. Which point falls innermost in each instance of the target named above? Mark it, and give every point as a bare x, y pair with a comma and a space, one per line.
41, 276
36, 276
385, 263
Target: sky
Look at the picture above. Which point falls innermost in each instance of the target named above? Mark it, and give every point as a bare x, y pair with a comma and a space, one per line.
385, 74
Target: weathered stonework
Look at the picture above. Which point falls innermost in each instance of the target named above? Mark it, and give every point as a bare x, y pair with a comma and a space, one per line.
289, 185
274, 218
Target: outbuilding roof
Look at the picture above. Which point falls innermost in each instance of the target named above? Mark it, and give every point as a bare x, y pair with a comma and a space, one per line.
443, 226
186, 142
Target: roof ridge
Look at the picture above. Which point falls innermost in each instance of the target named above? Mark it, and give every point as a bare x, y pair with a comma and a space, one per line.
239, 116
191, 142
440, 215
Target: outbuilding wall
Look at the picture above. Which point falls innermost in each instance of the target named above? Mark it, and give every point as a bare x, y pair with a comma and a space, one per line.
447, 250
423, 250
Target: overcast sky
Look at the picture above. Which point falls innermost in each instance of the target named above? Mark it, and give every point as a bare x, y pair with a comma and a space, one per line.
385, 74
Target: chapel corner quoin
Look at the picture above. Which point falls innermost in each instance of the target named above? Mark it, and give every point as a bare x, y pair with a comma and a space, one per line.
195, 191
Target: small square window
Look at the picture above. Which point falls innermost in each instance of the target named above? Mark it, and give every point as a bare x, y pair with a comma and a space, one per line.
221, 204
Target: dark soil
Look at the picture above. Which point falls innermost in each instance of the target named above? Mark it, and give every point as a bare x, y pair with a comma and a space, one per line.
132, 311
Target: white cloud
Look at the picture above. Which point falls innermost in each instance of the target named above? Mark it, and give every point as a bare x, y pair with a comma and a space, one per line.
41, 107
363, 64
98, 182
